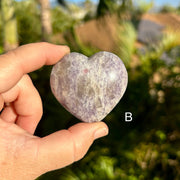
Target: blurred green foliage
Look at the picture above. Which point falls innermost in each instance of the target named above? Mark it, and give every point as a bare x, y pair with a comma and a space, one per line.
28, 19
167, 9
106, 7
126, 35
61, 20
148, 148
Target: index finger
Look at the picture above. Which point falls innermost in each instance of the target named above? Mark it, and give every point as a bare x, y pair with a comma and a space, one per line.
27, 58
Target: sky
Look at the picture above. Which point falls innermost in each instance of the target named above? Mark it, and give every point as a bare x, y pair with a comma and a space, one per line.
174, 3
157, 2
169, 2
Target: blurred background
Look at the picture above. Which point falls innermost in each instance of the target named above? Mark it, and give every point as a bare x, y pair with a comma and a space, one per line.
145, 34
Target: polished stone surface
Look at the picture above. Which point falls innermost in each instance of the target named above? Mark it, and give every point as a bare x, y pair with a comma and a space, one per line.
89, 88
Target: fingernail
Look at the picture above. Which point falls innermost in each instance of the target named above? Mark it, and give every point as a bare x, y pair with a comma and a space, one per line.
100, 133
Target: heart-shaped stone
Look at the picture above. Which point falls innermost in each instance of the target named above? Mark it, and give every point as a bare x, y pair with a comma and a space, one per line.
89, 88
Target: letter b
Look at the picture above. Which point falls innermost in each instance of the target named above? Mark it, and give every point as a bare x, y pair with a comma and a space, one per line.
128, 116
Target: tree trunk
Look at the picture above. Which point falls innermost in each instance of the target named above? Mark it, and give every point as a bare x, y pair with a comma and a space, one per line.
9, 25
45, 19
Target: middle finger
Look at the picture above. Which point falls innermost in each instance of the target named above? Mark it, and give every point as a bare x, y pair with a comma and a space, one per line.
25, 102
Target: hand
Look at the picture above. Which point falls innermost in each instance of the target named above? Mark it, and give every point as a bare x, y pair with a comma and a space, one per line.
22, 155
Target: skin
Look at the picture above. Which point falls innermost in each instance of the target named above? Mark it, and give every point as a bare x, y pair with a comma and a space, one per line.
22, 154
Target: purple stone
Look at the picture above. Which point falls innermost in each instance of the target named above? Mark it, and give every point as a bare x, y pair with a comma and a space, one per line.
89, 88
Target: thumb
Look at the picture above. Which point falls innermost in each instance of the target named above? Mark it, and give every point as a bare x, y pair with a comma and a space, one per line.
66, 146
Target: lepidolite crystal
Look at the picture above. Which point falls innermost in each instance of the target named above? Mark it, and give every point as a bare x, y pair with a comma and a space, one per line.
89, 88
